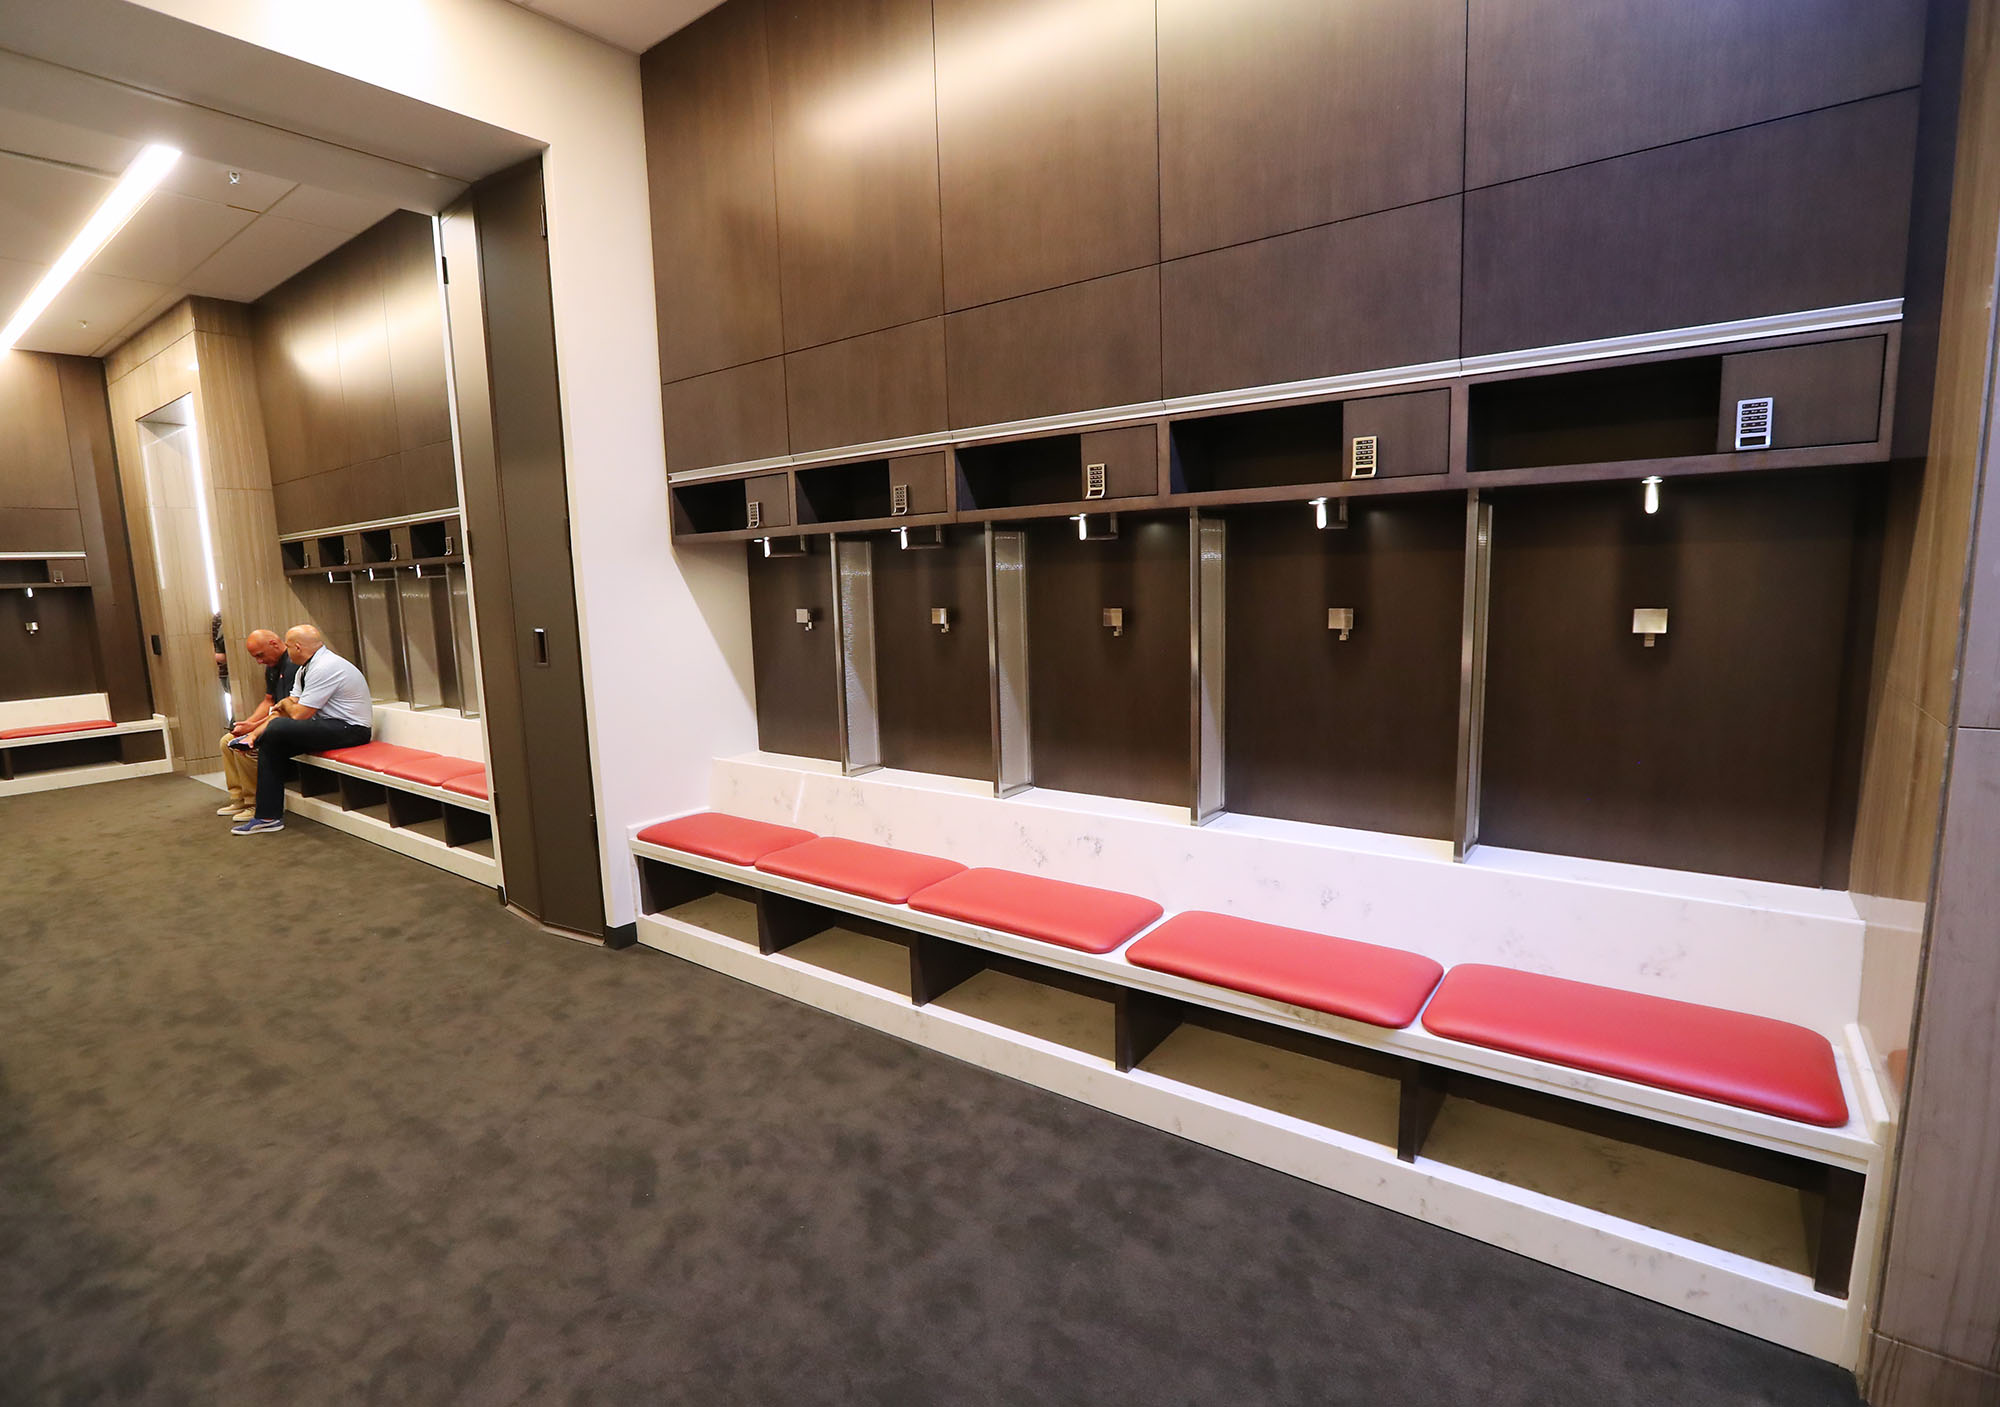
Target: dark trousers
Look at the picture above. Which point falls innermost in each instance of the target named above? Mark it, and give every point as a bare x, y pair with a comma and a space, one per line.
285, 739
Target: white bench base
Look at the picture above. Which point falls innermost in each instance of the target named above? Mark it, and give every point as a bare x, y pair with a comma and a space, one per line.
88, 774
1757, 1296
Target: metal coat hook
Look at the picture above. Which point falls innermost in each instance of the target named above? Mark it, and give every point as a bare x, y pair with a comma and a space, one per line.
1340, 618
941, 618
804, 616
1114, 620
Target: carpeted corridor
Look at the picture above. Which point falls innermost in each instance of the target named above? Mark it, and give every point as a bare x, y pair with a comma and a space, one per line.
292, 1119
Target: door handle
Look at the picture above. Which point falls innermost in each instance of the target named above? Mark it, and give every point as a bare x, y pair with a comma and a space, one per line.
541, 648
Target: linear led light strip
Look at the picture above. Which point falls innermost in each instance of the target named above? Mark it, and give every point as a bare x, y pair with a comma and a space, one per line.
147, 170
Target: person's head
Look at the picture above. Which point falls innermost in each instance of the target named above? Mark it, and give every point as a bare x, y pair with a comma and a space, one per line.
302, 642
264, 646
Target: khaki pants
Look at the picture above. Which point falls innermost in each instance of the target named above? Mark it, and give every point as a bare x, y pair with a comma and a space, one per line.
239, 771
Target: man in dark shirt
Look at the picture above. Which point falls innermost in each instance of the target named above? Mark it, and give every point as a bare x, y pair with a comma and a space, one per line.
239, 769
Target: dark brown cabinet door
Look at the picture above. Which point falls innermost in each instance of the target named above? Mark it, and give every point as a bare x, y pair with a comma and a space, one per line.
517, 516
1411, 433
1379, 291
34, 450
715, 212
796, 663
934, 698
1109, 712
881, 386
1303, 112
1807, 212
1824, 393
769, 497
1089, 345
1718, 748
1047, 144
853, 91
726, 417
1358, 732
1128, 459
1554, 83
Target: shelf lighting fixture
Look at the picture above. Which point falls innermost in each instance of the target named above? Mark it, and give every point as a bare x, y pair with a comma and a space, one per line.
1652, 483
141, 178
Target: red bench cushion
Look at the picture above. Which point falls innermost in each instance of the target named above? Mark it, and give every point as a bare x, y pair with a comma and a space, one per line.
721, 837
41, 729
1074, 915
431, 771
1752, 1062
376, 757
874, 871
471, 783
1382, 986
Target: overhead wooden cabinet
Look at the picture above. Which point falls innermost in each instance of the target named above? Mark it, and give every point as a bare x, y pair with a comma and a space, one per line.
1090, 344
853, 96
1553, 83
1299, 112
715, 210
1048, 148
879, 386
1807, 212
1379, 291
726, 417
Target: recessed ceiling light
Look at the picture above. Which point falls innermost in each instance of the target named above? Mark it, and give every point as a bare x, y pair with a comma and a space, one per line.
145, 173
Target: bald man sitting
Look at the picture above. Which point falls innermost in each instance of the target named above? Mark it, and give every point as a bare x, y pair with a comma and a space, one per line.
239, 768
329, 707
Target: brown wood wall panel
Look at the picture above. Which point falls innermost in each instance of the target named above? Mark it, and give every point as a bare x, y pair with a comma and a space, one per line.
1714, 750
715, 213
1377, 291
40, 529
1290, 113
1048, 144
1902, 1376
58, 659
350, 371
1359, 732
121, 661
1552, 83
1110, 715
853, 88
34, 445
933, 693
1943, 1282
1090, 344
880, 386
726, 417
797, 671
1808, 212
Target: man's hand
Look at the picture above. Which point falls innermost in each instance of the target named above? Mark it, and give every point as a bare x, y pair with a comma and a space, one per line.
239, 729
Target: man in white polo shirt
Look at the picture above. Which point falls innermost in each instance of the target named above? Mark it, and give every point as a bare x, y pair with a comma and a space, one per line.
330, 707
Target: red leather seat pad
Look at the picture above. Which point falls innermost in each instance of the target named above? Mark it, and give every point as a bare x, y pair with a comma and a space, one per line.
431, 771
376, 757
471, 783
1382, 986
44, 729
1053, 910
1752, 1062
874, 871
722, 837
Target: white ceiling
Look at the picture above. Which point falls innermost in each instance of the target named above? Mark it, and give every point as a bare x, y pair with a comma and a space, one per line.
201, 233
636, 25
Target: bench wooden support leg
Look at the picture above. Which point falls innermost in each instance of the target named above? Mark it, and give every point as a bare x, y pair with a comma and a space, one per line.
6, 765
783, 921
1423, 1096
1839, 1222
1143, 1021
663, 887
937, 965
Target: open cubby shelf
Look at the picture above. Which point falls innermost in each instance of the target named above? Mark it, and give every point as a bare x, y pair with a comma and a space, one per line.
843, 493
1258, 449
710, 507
1021, 474
1656, 410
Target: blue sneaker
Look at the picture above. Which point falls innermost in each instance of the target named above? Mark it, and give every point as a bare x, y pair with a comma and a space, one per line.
255, 827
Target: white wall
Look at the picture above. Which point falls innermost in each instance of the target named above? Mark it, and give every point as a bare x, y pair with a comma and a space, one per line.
665, 693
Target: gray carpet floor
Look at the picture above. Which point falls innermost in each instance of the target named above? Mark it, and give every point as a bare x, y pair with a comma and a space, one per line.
296, 1120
